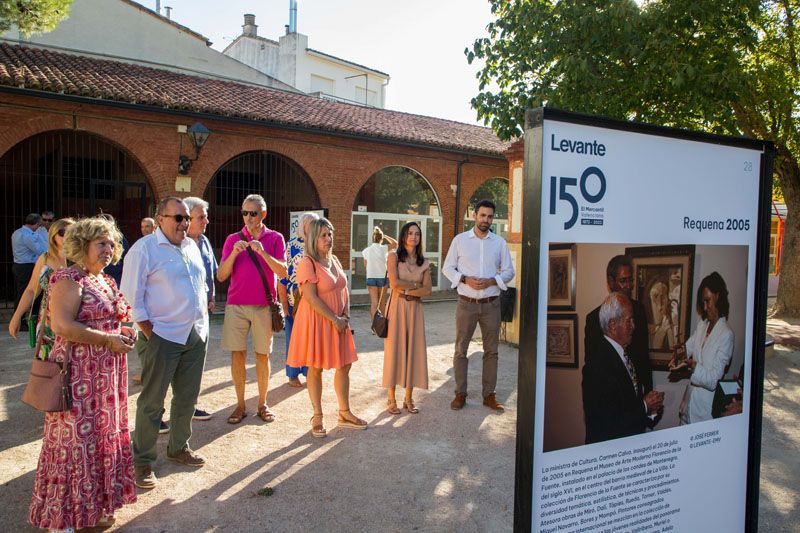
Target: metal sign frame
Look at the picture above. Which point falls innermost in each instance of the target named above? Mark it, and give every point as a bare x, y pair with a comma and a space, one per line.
529, 284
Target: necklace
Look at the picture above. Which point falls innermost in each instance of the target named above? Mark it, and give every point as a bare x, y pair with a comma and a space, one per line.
102, 282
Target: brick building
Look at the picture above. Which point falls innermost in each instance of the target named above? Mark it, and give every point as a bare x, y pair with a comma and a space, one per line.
79, 135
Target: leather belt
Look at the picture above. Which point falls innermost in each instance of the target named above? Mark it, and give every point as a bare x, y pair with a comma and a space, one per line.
410, 298
478, 300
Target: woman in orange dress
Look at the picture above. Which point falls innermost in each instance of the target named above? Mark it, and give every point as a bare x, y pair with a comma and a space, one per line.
405, 353
321, 336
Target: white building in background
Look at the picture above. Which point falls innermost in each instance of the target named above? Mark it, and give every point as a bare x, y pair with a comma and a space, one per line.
290, 60
126, 31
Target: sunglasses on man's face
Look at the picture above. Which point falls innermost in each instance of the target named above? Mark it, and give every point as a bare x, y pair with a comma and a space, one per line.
253, 214
179, 218
47, 220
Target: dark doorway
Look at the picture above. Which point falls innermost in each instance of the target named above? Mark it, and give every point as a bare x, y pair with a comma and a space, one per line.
283, 183
73, 174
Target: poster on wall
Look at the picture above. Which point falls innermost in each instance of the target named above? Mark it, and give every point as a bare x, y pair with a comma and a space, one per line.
640, 398
294, 219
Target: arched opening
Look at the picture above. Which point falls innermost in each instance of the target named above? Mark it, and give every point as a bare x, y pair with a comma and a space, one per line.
391, 197
71, 173
283, 183
496, 190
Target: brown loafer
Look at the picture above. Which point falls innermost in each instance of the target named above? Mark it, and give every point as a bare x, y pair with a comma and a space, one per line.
458, 402
187, 457
492, 403
145, 478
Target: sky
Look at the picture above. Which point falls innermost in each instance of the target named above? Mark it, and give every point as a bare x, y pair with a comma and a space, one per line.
420, 44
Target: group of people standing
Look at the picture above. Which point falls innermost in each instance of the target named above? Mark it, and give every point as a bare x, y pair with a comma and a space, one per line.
89, 465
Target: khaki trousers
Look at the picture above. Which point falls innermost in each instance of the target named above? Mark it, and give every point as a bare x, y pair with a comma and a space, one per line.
468, 315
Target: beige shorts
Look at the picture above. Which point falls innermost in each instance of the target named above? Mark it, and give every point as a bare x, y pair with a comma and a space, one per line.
239, 319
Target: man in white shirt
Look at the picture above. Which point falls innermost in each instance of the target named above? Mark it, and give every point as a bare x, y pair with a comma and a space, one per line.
479, 266
164, 280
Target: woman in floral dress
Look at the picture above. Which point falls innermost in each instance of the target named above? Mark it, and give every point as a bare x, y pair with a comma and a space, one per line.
85, 469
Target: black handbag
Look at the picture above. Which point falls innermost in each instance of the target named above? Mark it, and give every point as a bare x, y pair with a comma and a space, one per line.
380, 322
275, 310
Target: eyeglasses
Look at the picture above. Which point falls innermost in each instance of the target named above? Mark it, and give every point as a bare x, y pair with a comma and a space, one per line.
47, 220
179, 218
62, 231
253, 214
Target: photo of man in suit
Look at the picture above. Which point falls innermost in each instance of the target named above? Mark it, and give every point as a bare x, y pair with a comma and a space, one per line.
619, 277
614, 401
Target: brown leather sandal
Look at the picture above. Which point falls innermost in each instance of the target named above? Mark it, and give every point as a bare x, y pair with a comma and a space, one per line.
408, 405
391, 407
317, 429
237, 415
266, 414
352, 422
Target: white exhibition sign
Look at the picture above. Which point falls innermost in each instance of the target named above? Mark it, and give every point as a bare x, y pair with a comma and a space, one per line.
608, 192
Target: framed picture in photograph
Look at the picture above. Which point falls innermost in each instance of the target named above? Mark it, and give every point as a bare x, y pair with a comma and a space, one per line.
662, 283
561, 275
562, 340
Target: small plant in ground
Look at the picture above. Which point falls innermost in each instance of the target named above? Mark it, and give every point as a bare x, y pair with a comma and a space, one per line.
266, 491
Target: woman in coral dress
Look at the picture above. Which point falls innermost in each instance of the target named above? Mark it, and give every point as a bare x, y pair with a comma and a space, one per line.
85, 469
405, 352
321, 337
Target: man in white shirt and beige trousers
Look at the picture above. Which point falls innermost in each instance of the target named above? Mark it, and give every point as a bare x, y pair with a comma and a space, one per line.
479, 266
164, 280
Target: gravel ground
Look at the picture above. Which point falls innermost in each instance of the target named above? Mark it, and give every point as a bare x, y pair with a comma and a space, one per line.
435, 471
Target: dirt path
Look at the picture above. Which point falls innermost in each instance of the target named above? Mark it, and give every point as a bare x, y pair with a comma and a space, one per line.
436, 471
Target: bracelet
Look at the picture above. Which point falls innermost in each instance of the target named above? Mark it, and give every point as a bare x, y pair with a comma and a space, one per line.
107, 340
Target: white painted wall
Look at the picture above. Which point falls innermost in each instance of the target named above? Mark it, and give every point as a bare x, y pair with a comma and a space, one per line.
564, 424
260, 54
292, 63
132, 34
346, 87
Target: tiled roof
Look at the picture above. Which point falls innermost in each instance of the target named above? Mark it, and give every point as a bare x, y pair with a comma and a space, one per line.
46, 70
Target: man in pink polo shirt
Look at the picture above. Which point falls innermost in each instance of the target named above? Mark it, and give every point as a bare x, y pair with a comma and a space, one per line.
248, 299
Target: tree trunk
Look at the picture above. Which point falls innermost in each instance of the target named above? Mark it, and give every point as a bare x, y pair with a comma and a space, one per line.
787, 303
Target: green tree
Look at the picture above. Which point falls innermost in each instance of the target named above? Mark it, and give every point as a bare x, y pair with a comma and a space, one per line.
723, 66
33, 16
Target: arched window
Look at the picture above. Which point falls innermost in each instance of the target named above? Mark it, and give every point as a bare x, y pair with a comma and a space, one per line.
391, 197
71, 173
283, 184
496, 190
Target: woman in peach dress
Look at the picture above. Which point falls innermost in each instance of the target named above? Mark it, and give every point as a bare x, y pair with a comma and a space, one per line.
405, 352
321, 336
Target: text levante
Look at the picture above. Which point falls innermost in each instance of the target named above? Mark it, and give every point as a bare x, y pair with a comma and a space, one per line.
577, 147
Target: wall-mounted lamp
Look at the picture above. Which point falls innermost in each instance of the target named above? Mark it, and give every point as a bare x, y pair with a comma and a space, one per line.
198, 134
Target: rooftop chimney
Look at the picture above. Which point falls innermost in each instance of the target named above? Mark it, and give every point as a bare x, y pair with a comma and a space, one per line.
168, 11
292, 16
158, 6
250, 29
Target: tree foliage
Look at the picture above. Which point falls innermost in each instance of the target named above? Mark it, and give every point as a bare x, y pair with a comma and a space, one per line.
723, 66
33, 16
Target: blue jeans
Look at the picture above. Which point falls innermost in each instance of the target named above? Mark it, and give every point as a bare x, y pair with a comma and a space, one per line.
292, 371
